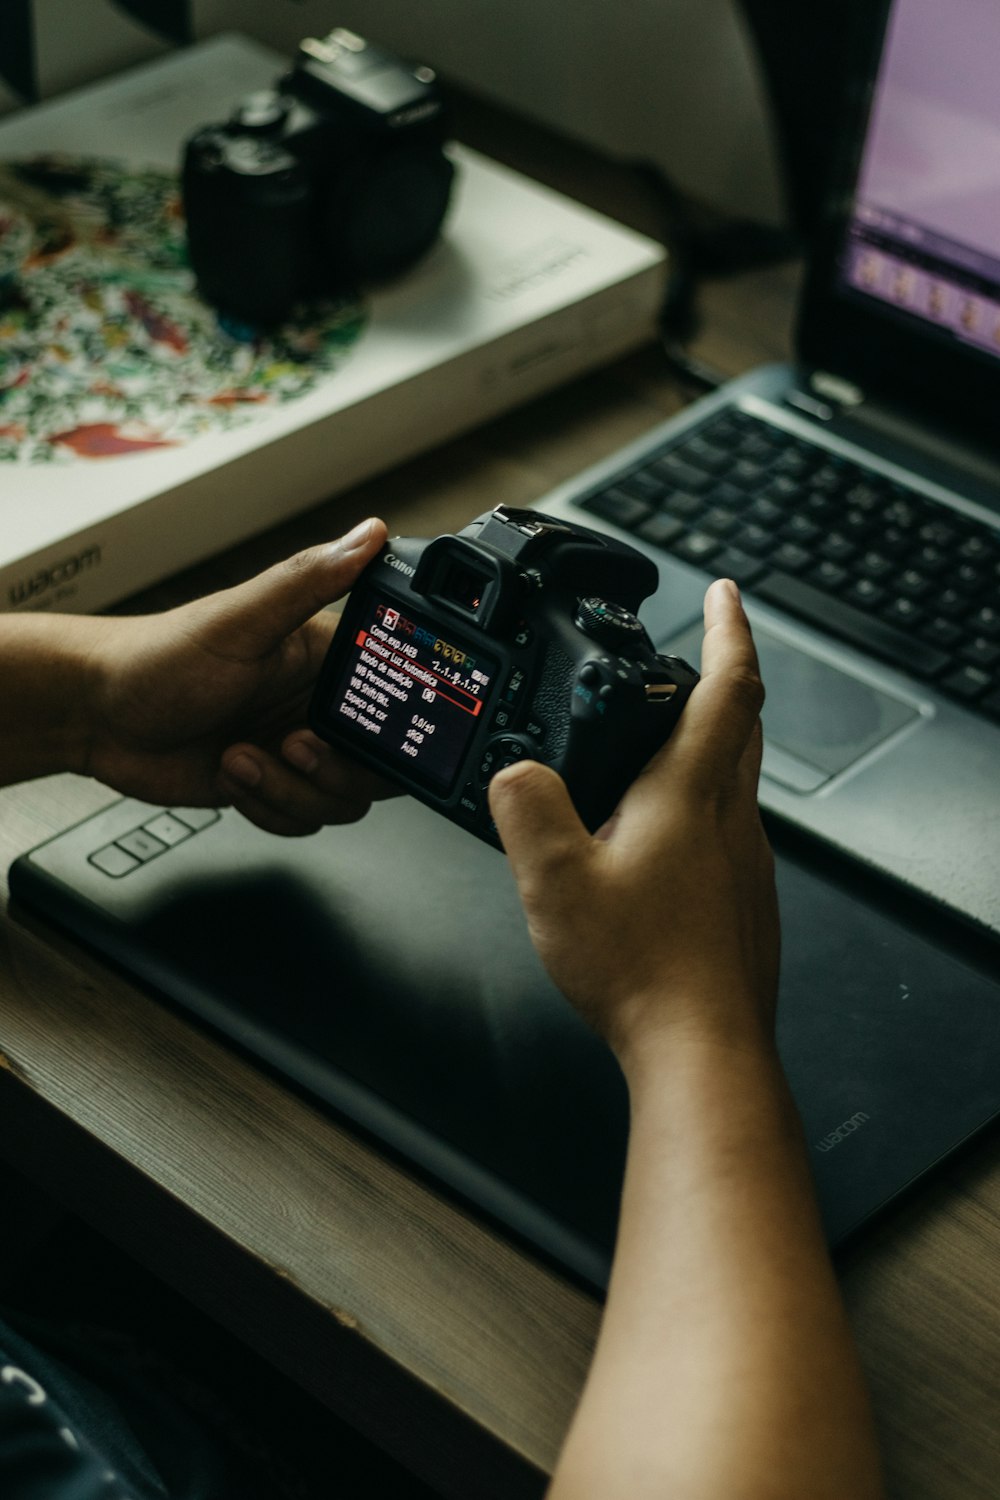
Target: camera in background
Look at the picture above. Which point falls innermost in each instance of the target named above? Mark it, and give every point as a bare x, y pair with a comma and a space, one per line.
334, 179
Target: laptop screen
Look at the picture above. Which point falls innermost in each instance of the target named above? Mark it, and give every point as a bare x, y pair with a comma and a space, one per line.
923, 233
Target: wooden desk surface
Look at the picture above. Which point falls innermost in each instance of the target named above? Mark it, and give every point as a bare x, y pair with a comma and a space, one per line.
457, 1352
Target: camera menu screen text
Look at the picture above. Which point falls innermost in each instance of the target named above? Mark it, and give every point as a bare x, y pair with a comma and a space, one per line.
412, 692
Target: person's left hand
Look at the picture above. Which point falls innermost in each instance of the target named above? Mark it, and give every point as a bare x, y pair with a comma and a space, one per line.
205, 705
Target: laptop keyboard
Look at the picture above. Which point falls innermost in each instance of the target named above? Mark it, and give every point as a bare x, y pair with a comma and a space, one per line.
835, 544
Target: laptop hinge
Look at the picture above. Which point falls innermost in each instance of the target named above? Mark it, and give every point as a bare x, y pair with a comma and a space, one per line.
828, 396
951, 460
836, 389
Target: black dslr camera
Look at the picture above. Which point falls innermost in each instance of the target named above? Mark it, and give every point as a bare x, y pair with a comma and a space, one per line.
516, 638
335, 178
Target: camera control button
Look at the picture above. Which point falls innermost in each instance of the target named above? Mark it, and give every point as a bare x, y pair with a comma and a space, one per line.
607, 623
536, 731
500, 752
590, 673
524, 634
504, 716
470, 800
515, 682
591, 694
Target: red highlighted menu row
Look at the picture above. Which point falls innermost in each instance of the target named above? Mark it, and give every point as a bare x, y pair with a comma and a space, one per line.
420, 675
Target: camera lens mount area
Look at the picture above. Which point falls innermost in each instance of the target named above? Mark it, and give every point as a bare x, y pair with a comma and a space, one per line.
608, 624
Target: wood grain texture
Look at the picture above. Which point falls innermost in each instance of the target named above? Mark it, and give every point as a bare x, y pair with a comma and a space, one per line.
422, 1285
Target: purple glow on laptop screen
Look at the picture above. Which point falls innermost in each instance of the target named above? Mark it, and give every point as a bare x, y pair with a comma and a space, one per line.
925, 230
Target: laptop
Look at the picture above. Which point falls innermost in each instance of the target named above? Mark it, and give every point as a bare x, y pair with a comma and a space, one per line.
854, 494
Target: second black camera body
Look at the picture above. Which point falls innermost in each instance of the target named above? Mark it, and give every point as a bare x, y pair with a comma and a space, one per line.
516, 638
335, 179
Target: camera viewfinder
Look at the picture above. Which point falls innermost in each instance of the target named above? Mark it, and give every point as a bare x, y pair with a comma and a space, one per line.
465, 586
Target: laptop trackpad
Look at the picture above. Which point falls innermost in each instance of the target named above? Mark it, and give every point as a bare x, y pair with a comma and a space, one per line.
817, 720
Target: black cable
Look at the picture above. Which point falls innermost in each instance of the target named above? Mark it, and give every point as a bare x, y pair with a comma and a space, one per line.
695, 251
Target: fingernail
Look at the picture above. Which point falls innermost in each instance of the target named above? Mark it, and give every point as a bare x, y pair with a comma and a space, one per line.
244, 769
357, 536
729, 587
301, 756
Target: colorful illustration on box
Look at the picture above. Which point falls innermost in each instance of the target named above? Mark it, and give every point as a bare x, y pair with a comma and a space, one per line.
105, 347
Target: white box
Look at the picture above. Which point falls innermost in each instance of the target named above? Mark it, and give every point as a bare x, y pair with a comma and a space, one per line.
525, 290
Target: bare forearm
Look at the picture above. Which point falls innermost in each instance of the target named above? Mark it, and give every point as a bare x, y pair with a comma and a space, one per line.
45, 687
725, 1366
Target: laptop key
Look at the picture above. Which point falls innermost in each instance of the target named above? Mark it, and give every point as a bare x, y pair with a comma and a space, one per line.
707, 455
661, 530
732, 563
912, 584
719, 522
680, 503
866, 593
791, 557
621, 509
976, 549
675, 470
837, 548
968, 682
829, 575
941, 632
756, 539
952, 602
793, 461
866, 631
697, 547
986, 621
905, 612
728, 495
980, 652
874, 566
644, 486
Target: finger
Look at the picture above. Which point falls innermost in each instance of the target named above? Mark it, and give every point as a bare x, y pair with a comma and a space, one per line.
259, 614
713, 744
248, 773
538, 825
332, 772
263, 816
748, 770
728, 643
718, 720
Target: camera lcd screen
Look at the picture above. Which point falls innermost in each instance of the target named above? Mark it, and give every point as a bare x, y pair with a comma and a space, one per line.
411, 693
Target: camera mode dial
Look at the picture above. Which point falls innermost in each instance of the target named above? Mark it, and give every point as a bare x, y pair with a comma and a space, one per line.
609, 624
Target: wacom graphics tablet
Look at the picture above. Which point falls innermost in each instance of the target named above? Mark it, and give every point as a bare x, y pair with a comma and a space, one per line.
384, 969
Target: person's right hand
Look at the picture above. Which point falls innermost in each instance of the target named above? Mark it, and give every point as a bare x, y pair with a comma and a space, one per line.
665, 921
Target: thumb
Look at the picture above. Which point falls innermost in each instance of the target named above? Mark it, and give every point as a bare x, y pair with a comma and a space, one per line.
265, 609
538, 825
